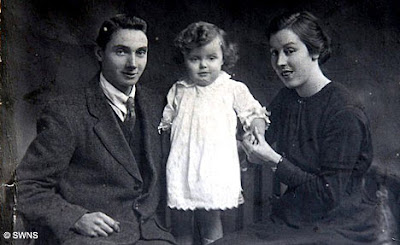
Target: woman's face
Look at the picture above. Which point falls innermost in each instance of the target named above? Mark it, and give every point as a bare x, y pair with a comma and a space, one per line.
290, 59
204, 63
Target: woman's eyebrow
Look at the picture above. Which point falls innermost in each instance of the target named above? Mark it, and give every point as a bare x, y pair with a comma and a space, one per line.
289, 43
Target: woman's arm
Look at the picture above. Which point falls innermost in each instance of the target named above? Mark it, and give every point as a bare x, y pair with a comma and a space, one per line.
341, 150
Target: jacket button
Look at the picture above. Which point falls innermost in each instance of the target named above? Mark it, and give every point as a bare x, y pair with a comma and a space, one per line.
136, 206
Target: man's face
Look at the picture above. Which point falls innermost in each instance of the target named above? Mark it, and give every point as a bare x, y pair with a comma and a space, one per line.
124, 58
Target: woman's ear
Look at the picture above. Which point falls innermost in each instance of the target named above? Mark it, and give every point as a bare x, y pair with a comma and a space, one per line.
315, 57
99, 53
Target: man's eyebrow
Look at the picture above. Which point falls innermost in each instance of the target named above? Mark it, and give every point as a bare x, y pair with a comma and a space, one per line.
120, 46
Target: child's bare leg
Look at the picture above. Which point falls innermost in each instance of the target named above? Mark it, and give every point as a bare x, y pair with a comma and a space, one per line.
210, 225
182, 226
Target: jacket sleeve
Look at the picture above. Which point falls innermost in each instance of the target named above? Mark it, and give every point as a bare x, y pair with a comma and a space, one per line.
345, 153
40, 171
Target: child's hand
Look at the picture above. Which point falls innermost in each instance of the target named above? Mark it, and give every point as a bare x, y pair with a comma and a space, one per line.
258, 150
258, 123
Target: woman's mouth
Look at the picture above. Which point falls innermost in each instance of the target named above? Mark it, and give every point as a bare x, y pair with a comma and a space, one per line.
286, 73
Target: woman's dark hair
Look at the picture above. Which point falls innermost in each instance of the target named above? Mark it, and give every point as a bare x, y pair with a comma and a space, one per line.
201, 33
120, 21
307, 27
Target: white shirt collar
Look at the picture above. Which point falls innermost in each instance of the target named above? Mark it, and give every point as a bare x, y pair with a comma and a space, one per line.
116, 98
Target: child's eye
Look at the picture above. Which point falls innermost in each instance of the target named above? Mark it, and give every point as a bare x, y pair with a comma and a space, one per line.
193, 59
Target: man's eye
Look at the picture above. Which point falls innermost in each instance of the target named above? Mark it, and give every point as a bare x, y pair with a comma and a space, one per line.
141, 52
120, 52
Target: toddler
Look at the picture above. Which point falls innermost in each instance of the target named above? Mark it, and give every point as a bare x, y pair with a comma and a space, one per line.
203, 171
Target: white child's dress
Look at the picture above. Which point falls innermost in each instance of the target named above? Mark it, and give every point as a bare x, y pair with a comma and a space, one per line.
203, 168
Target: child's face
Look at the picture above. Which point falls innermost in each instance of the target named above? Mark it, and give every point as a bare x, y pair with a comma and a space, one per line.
204, 63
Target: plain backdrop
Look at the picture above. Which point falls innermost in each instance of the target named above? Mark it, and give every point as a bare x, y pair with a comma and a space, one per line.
47, 49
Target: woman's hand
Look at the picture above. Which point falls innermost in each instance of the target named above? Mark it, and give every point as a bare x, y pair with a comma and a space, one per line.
258, 150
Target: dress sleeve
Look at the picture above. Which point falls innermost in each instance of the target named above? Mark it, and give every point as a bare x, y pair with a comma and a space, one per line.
345, 152
40, 171
169, 112
247, 107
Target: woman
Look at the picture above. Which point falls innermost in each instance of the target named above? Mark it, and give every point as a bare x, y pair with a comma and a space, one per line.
323, 146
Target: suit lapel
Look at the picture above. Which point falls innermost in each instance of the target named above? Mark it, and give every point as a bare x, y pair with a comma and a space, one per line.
109, 131
149, 130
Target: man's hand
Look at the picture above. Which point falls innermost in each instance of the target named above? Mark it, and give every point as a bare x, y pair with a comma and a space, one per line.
96, 224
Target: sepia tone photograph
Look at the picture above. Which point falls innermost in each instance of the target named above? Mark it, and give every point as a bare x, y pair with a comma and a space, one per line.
199, 122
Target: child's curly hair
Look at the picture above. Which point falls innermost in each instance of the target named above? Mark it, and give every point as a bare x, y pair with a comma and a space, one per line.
201, 33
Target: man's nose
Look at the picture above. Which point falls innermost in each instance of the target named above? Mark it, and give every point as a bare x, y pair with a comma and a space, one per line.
281, 59
131, 61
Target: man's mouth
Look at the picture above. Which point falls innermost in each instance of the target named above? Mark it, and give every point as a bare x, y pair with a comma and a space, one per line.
130, 75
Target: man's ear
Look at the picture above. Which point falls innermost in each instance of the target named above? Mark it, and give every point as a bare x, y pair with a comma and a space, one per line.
99, 53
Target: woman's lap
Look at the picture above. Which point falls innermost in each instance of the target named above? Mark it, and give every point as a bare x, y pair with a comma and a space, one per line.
280, 234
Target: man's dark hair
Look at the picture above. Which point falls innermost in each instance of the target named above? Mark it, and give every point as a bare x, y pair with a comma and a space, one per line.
120, 21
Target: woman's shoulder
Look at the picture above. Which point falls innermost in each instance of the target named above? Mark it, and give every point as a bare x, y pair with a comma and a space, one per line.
342, 101
341, 97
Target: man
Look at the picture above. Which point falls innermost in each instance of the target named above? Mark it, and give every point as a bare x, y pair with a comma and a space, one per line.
94, 173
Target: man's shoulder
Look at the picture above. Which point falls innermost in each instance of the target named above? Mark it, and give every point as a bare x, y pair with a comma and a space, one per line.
75, 99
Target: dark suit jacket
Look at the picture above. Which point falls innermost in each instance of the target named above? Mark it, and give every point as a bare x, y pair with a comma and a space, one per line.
81, 162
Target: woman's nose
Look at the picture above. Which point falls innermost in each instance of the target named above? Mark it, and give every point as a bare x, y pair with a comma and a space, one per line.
281, 59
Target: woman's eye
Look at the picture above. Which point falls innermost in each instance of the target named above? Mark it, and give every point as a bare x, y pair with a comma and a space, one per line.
274, 53
290, 51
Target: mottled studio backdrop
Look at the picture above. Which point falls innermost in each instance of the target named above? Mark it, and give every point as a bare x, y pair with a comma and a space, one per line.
49, 49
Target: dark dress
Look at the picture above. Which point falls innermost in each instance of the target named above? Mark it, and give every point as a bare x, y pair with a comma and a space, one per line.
326, 143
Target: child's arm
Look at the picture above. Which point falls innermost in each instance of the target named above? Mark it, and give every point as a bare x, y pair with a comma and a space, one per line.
169, 112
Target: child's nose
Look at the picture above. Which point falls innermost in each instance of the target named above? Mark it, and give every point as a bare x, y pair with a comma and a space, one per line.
203, 64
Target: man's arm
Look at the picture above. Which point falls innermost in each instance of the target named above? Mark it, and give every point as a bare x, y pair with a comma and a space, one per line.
40, 171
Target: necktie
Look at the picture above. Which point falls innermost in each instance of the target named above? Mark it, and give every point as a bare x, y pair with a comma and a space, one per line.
130, 106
